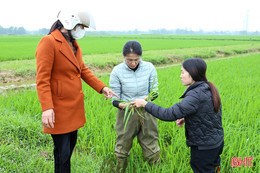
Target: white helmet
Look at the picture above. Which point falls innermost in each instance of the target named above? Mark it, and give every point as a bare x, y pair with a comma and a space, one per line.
70, 19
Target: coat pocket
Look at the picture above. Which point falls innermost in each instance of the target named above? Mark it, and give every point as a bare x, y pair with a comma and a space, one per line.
59, 88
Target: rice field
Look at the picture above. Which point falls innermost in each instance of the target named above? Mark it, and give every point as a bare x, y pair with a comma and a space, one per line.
24, 148
104, 52
23, 47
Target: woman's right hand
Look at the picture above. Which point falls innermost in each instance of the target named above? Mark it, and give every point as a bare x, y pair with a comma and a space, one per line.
139, 103
48, 118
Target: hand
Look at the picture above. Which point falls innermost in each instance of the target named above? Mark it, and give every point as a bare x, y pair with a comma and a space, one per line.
123, 106
139, 103
180, 122
108, 93
48, 118
145, 97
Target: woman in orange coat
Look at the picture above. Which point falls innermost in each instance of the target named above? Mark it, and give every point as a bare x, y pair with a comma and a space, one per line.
60, 69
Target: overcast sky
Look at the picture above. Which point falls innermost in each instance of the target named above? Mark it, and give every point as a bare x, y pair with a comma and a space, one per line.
122, 15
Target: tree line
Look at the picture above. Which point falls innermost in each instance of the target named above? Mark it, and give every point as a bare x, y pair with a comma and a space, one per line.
21, 31
44, 31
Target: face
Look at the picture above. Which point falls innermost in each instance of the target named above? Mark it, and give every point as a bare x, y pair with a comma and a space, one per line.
132, 60
186, 79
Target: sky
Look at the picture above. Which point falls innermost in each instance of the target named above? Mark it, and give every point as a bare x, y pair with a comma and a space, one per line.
143, 15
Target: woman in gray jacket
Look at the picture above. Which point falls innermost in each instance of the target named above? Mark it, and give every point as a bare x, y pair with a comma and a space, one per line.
200, 109
131, 80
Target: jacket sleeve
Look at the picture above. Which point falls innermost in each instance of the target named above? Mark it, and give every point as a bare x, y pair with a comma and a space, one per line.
91, 79
186, 107
115, 84
44, 62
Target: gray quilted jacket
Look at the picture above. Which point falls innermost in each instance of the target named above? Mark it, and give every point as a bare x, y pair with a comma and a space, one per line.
129, 84
203, 126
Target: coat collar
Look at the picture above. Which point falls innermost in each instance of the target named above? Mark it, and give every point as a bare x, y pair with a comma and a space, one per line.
66, 50
196, 84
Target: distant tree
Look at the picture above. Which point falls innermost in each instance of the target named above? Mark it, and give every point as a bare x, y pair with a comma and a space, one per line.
10, 30
20, 31
2, 31
243, 33
43, 31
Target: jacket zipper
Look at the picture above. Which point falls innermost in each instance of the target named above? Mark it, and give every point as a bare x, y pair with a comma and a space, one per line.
136, 83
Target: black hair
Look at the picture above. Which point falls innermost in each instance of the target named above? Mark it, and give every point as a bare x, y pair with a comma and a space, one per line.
197, 68
132, 47
58, 25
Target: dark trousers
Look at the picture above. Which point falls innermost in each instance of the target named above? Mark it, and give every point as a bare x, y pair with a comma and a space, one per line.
63, 147
205, 161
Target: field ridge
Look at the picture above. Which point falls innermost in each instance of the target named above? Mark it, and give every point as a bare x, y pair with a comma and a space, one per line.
24, 71
30, 82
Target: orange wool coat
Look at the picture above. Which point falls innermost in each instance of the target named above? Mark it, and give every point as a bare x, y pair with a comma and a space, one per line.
59, 85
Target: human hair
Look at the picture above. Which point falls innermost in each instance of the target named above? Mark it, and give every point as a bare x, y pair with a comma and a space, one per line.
132, 47
197, 68
58, 25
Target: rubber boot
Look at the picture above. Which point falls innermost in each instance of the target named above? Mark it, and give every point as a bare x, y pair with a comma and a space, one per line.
121, 164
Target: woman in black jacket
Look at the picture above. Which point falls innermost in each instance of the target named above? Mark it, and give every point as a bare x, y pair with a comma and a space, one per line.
200, 109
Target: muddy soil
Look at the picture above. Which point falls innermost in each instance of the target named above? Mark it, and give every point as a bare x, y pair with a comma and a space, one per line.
8, 77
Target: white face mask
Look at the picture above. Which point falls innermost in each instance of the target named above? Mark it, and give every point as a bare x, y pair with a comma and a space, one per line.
78, 34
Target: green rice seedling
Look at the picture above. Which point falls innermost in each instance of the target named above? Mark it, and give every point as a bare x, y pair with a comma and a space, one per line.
129, 110
23, 47
153, 93
24, 148
26, 69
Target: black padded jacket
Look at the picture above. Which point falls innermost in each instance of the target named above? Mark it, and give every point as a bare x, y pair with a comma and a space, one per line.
203, 126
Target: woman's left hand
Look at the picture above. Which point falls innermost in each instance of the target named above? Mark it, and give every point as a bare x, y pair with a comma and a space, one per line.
180, 122
108, 93
139, 103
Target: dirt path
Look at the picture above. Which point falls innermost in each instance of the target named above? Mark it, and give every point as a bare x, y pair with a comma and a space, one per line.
8, 77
